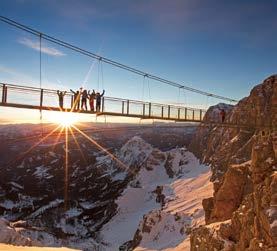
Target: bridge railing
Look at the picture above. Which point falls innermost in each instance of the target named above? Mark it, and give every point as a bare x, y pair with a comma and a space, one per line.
151, 110
32, 96
47, 98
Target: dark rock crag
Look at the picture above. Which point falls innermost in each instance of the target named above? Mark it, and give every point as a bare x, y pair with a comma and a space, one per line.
242, 214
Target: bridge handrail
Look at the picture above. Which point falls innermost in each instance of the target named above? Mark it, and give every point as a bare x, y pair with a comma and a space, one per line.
54, 92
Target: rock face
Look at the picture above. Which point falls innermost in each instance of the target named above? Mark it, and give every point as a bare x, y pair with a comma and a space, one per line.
10, 234
242, 214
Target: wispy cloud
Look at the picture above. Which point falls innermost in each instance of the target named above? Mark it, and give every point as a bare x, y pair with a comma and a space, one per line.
44, 49
15, 76
11, 75
7, 70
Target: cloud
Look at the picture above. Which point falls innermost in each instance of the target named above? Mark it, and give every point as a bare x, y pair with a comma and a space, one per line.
44, 49
15, 76
7, 70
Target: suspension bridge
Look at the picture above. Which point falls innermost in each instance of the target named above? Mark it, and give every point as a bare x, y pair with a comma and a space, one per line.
39, 98
45, 99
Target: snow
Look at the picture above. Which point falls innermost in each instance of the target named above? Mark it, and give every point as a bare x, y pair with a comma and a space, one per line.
119, 176
186, 202
72, 212
23, 202
270, 160
136, 150
165, 232
76, 229
235, 139
183, 196
181, 209
41, 210
151, 179
8, 204
271, 212
5, 247
189, 192
41, 172
16, 185
246, 163
133, 204
52, 154
11, 235
90, 205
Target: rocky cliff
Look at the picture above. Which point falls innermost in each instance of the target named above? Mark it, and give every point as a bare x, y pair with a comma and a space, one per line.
242, 214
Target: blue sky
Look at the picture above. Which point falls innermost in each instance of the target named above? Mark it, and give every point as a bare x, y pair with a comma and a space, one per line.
225, 47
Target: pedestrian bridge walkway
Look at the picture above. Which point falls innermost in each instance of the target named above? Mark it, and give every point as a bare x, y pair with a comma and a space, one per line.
47, 99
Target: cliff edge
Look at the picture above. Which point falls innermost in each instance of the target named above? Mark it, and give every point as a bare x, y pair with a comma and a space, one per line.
242, 214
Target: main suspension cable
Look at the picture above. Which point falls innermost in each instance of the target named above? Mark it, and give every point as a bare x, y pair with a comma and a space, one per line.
109, 61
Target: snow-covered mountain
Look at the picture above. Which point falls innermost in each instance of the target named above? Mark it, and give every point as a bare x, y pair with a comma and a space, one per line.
109, 203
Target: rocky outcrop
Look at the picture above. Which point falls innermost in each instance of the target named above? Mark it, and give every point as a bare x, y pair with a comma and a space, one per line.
11, 235
213, 237
235, 186
204, 145
243, 156
157, 227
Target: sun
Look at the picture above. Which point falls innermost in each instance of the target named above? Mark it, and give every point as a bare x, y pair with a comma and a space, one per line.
65, 119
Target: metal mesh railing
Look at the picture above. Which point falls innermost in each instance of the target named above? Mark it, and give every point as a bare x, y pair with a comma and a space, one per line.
46, 98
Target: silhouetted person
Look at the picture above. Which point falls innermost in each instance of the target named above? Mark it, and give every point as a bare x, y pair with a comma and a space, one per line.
91, 97
222, 114
76, 99
61, 96
98, 97
84, 100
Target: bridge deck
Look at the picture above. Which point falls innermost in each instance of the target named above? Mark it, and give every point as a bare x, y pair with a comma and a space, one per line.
46, 99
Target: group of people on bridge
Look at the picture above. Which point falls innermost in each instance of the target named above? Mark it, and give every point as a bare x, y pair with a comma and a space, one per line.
80, 98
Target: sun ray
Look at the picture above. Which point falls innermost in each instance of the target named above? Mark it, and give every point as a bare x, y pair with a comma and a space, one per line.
32, 147
57, 138
77, 144
113, 157
66, 178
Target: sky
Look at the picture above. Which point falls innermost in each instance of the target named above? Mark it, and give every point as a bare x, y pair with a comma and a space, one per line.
220, 46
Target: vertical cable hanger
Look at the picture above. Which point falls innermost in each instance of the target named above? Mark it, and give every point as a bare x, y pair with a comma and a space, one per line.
179, 93
40, 61
102, 73
185, 98
98, 76
40, 82
143, 83
207, 103
149, 91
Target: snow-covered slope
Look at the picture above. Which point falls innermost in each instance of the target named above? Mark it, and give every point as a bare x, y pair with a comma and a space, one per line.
170, 226
165, 195
108, 203
5, 247
11, 234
